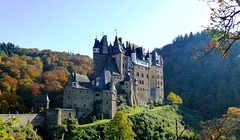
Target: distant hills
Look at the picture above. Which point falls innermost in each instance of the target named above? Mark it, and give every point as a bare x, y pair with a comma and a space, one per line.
209, 85
27, 72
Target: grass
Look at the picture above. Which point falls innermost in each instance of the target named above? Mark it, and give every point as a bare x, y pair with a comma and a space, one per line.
135, 110
95, 123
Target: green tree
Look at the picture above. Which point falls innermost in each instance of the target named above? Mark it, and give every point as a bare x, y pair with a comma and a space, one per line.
120, 128
174, 98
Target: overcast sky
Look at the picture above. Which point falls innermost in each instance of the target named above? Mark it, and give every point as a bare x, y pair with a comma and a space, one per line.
73, 25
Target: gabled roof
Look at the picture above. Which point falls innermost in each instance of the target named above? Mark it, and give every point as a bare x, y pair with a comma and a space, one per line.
105, 80
41, 98
80, 78
111, 65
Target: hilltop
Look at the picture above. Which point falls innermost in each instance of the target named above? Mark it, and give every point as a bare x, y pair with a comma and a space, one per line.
156, 123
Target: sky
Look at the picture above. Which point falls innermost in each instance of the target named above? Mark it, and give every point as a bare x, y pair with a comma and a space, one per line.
73, 25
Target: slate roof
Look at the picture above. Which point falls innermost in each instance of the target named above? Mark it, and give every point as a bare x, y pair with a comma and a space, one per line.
105, 80
96, 44
80, 78
41, 98
111, 66
127, 77
118, 47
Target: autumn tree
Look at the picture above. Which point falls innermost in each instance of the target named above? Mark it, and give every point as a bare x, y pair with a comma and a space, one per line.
174, 98
227, 127
120, 128
223, 28
10, 102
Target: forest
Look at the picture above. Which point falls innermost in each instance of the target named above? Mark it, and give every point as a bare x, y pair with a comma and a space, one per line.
27, 72
210, 84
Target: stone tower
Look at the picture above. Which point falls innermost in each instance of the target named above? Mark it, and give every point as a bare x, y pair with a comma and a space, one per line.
41, 101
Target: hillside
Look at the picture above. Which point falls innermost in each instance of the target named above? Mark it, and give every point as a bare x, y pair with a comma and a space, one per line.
157, 123
27, 72
209, 85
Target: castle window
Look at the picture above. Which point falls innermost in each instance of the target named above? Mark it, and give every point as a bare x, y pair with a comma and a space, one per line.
158, 82
82, 98
161, 77
80, 91
138, 67
106, 94
152, 76
88, 98
84, 105
137, 74
158, 76
69, 115
139, 81
143, 82
147, 75
107, 102
145, 68
142, 75
97, 94
161, 83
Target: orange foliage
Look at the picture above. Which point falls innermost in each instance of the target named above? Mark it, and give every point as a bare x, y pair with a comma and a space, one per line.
9, 84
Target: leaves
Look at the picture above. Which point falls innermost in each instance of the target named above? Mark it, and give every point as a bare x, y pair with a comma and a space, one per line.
27, 72
120, 128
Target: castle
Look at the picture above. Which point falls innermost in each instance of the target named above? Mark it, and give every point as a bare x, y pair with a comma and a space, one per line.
121, 71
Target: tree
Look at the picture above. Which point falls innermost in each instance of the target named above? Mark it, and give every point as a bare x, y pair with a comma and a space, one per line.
120, 128
174, 98
223, 28
227, 127
11, 132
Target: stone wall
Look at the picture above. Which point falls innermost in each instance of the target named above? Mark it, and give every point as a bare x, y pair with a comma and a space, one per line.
34, 119
141, 74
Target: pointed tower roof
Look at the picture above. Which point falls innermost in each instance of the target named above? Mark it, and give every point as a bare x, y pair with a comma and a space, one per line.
104, 45
118, 46
96, 44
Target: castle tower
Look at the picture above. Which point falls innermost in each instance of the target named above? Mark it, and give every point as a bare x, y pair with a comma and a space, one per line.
41, 103
156, 77
100, 57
